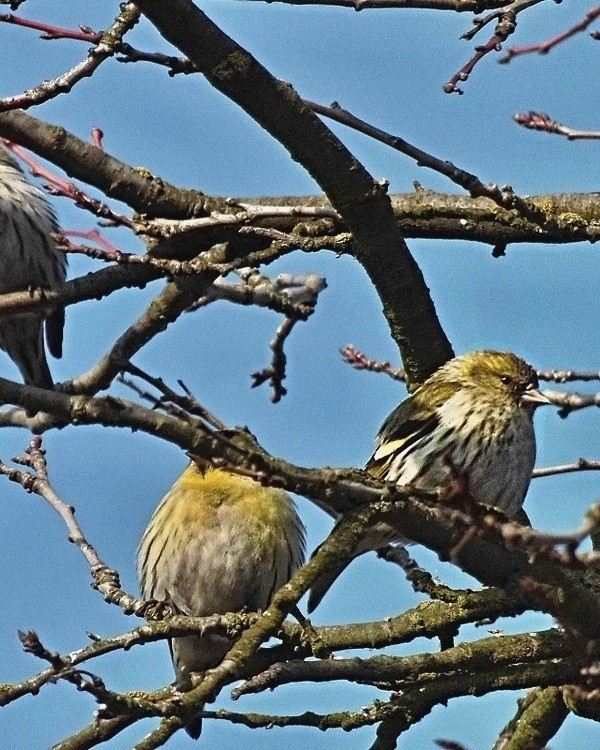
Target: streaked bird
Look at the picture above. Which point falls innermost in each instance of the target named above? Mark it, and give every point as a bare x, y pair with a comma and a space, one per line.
218, 542
29, 258
470, 421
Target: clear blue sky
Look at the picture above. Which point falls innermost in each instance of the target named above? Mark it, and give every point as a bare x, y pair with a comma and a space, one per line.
387, 67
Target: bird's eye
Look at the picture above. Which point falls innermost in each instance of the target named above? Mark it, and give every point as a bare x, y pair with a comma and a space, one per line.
506, 379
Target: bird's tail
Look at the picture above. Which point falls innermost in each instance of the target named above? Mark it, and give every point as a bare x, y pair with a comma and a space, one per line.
322, 585
194, 728
374, 538
22, 339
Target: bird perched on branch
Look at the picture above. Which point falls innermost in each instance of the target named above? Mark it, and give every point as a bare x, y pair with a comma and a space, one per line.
29, 258
218, 542
471, 423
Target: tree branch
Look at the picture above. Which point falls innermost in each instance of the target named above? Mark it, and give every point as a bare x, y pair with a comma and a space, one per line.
103, 49
480, 551
540, 715
360, 201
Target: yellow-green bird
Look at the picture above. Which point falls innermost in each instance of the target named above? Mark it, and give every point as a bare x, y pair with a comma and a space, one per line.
472, 421
218, 542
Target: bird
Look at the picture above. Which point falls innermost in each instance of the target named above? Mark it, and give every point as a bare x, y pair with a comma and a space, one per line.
29, 258
218, 542
469, 423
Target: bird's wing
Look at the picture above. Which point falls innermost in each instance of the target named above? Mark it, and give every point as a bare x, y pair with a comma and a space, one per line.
412, 420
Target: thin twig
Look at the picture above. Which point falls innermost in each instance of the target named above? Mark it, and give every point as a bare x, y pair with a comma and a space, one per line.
543, 48
186, 403
275, 372
544, 123
567, 376
293, 295
504, 28
583, 464
502, 196
421, 580
566, 401
570, 402
58, 186
106, 580
104, 47
480, 22
361, 361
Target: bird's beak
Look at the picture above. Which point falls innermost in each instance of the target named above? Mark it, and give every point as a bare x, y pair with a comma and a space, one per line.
534, 397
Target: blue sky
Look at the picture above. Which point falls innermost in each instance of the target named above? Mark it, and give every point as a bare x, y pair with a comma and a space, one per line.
387, 67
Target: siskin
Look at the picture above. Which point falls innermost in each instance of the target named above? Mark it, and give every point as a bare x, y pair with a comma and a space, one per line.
218, 542
29, 259
470, 420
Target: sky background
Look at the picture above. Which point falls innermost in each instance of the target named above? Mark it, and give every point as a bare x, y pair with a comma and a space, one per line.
387, 67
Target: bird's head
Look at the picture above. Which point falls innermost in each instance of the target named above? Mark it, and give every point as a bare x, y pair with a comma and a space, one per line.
502, 373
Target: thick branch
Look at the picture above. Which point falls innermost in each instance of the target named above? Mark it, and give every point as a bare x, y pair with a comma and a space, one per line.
405, 710
361, 202
167, 306
426, 620
482, 554
427, 214
137, 188
91, 286
406, 672
539, 717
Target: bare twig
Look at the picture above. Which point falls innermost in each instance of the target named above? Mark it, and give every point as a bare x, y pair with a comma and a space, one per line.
476, 518
106, 580
173, 300
504, 29
569, 402
421, 580
506, 24
539, 716
158, 628
415, 671
94, 285
50, 31
97, 732
566, 401
104, 47
532, 539
499, 10
567, 376
251, 213
62, 669
543, 122
543, 48
186, 403
300, 294
111, 254
361, 361
457, 6
583, 464
295, 296
157, 738
65, 188
275, 372
174, 65
502, 196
